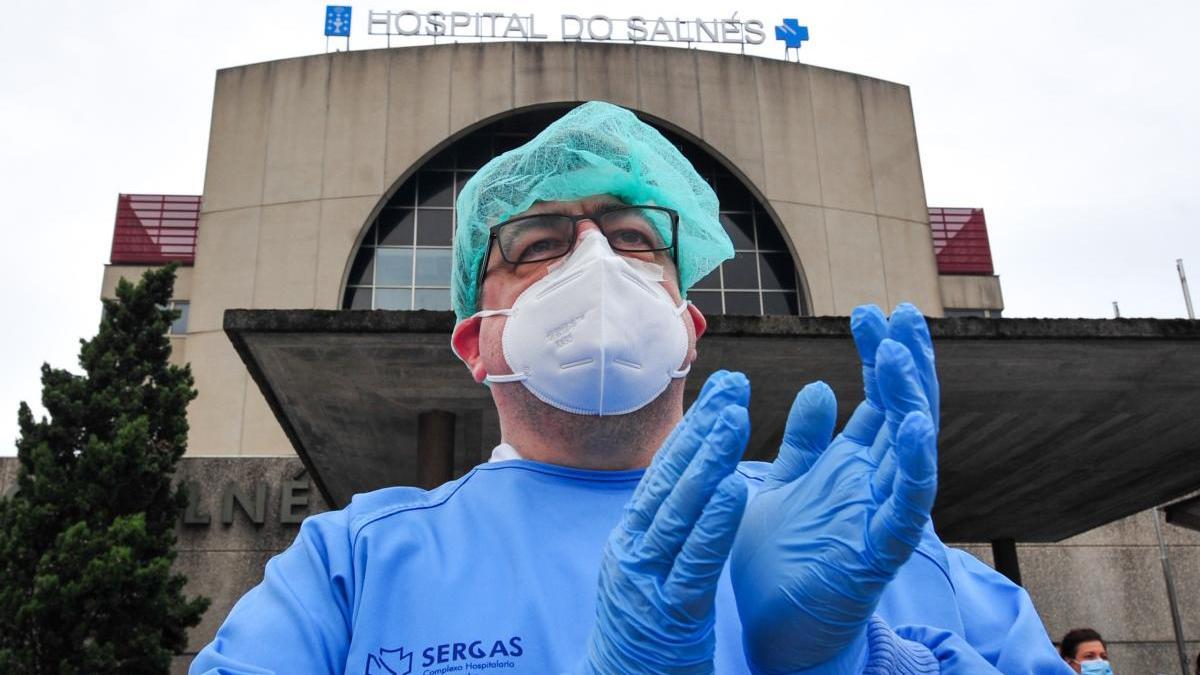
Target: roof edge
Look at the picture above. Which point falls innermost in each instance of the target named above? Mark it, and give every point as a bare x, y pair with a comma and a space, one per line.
245, 321
578, 44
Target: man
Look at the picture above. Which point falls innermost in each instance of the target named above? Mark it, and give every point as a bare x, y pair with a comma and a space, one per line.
565, 553
1085, 651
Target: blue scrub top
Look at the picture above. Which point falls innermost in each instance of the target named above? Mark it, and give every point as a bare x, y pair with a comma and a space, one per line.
497, 571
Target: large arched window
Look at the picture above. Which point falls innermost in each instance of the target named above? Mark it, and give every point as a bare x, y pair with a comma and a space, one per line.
404, 259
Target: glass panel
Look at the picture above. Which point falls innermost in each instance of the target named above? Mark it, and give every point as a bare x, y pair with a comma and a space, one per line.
426, 298
435, 188
740, 229
460, 179
505, 142
433, 267
535, 120
709, 302
741, 272
542, 236
704, 164
434, 226
357, 298
396, 227
643, 229
393, 298
403, 225
406, 195
732, 194
394, 267
474, 152
781, 303
179, 326
769, 236
742, 303
443, 160
777, 271
711, 280
362, 272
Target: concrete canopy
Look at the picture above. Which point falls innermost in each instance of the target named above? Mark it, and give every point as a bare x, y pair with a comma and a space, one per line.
1050, 427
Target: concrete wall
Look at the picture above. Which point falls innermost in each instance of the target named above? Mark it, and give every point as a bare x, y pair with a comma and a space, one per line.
224, 560
8, 475
303, 151
114, 273
971, 292
1111, 579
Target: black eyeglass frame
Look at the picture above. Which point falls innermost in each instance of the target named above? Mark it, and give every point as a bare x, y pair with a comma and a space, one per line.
595, 218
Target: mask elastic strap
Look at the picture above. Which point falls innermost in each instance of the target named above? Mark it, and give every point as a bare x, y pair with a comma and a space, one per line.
682, 372
513, 377
482, 314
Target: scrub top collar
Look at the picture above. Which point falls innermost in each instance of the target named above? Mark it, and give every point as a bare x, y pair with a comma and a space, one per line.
505, 453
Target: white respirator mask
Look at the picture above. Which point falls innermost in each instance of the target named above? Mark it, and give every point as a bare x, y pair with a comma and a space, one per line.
598, 335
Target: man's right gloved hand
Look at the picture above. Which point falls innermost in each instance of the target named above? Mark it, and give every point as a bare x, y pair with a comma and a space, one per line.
658, 577
834, 521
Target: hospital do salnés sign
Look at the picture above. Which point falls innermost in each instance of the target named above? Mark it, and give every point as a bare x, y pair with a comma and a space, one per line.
498, 25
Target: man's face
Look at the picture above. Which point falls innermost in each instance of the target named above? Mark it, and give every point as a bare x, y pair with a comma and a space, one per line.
504, 282
1088, 651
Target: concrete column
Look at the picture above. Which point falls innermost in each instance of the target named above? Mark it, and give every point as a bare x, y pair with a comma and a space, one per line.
1004, 552
435, 448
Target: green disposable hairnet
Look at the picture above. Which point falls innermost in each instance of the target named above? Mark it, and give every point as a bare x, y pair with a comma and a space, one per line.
597, 148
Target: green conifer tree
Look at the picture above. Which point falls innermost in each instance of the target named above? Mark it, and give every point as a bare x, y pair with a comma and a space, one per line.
86, 542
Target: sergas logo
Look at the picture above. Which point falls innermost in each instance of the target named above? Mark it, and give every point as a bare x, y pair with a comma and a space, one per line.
389, 662
448, 657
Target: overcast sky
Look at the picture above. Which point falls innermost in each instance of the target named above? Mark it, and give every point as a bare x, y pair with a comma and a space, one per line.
1074, 124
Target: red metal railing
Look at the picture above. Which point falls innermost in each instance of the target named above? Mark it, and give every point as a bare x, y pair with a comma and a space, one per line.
960, 241
155, 229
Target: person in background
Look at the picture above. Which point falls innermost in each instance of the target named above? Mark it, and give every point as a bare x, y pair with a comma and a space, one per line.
1086, 652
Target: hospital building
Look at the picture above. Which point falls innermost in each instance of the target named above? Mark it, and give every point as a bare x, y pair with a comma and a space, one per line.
314, 292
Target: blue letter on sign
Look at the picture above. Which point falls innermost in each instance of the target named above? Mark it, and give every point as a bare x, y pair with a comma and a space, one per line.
337, 21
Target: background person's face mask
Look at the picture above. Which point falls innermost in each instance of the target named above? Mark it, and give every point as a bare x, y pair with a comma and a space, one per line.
598, 335
1095, 667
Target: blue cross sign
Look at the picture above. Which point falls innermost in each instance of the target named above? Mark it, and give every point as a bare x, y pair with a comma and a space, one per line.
792, 33
337, 21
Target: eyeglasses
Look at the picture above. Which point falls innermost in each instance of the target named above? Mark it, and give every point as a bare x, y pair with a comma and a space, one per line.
546, 236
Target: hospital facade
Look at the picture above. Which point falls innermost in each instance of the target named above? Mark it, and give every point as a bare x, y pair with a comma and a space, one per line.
316, 265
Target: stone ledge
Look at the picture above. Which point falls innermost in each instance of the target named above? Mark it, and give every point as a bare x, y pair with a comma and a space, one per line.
423, 321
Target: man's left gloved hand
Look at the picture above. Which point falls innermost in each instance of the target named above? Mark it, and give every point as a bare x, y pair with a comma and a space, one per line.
658, 577
834, 521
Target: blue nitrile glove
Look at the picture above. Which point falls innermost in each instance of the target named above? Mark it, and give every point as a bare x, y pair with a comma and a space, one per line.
658, 578
834, 521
